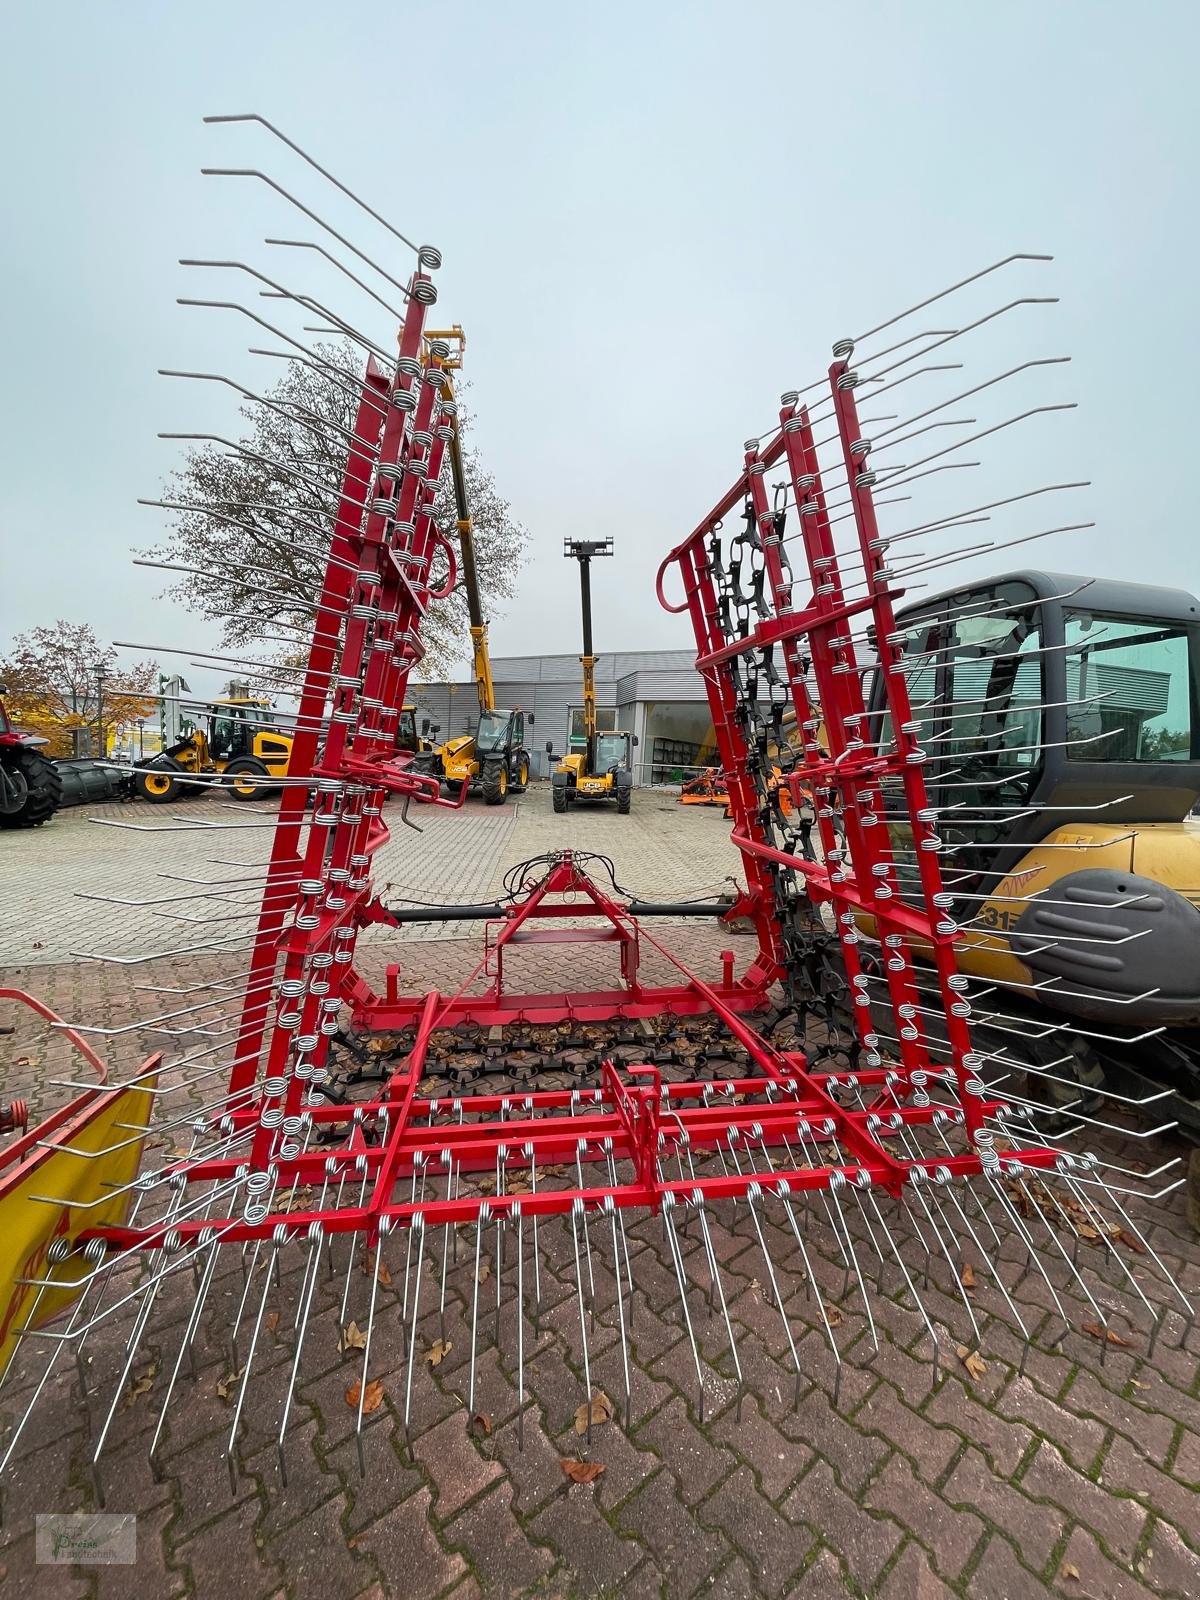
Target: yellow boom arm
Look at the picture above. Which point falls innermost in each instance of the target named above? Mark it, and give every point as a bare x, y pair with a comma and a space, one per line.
481, 660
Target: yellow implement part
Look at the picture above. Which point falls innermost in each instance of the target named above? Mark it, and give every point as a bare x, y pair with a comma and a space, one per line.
70, 1173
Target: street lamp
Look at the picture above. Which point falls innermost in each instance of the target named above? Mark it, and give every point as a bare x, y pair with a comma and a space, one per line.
100, 671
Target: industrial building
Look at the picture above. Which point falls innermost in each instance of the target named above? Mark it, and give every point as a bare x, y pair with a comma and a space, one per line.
657, 695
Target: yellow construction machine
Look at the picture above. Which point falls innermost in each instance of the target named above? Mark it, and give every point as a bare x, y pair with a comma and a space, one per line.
1059, 717
493, 760
603, 769
238, 739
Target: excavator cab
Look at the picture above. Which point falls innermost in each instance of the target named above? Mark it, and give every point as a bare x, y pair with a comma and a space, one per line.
1059, 719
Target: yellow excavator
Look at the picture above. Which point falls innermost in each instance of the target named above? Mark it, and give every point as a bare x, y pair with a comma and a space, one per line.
1060, 720
603, 769
493, 760
240, 739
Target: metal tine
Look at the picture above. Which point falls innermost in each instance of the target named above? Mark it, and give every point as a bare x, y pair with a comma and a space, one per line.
715, 1275
991, 1172
321, 530
531, 1156
148, 1294
783, 1190
361, 1168
418, 1224
449, 1229
1016, 1170
754, 1192
837, 1182
279, 1237
292, 412
95, 1253
900, 1262
58, 1251
186, 1344
484, 1216
993, 1267
1098, 1224
580, 1152
303, 1308
253, 116
609, 1207
669, 1204
501, 1188
309, 244
255, 1190
610, 1157
427, 255
385, 1224
577, 1213
1112, 1192
518, 1216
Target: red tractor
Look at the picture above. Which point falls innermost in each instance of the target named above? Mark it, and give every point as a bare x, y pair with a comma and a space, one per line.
31, 785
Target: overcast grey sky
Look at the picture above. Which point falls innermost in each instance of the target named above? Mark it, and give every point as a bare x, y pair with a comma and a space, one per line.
654, 218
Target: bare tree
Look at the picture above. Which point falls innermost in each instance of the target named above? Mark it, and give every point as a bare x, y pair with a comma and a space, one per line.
258, 522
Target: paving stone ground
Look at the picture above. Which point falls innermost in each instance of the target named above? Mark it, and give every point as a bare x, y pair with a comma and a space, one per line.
1074, 1477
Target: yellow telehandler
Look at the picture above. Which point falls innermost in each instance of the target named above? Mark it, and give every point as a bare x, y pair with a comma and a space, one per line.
493, 760
603, 769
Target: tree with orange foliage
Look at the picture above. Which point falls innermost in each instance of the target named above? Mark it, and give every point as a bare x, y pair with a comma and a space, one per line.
52, 687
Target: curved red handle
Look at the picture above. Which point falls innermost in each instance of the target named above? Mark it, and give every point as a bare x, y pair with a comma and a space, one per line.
658, 585
440, 539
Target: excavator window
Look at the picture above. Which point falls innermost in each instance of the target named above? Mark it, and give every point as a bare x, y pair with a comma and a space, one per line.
1130, 690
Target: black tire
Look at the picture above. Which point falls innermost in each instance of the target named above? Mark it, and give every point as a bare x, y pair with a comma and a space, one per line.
159, 782
248, 779
558, 797
521, 782
40, 782
493, 783
624, 800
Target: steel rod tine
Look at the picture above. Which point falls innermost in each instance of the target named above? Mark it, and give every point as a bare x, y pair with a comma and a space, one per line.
668, 1212
576, 1215
385, 1223
418, 1222
312, 1269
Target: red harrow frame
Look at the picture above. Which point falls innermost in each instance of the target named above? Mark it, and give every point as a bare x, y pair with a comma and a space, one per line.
908, 1144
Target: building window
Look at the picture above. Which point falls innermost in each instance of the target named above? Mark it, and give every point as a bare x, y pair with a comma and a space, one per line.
606, 722
678, 740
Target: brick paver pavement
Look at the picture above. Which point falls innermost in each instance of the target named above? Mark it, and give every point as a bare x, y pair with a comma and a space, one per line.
1076, 1478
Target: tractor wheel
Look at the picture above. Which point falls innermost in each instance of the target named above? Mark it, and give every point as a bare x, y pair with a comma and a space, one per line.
558, 796
34, 788
248, 779
624, 800
521, 782
160, 781
494, 783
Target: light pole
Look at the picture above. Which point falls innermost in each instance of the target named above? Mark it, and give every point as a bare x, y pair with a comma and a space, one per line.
100, 672
141, 722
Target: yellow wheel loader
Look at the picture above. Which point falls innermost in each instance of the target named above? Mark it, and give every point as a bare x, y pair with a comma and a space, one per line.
603, 769
493, 760
238, 740
1059, 717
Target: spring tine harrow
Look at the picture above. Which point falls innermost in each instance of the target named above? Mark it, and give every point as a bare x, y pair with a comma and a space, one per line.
885, 1144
